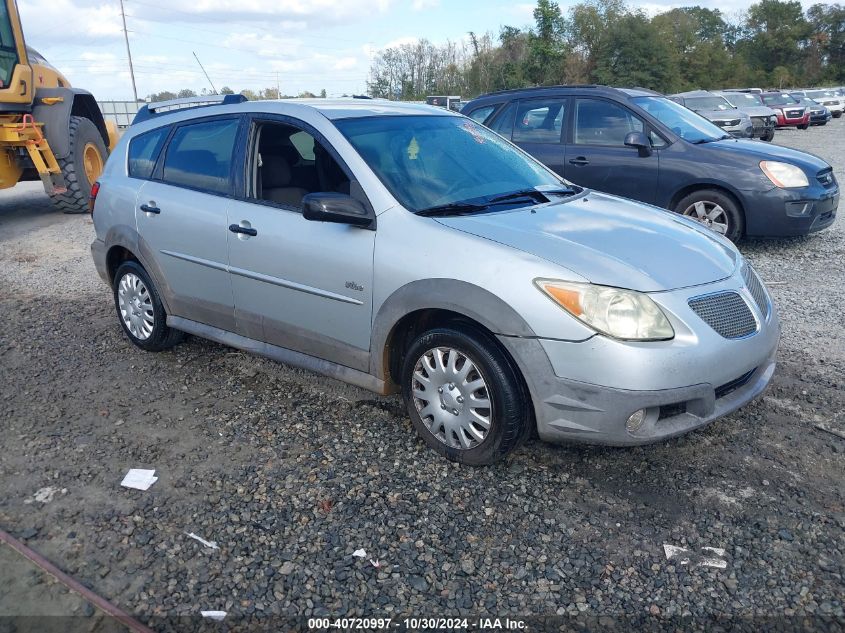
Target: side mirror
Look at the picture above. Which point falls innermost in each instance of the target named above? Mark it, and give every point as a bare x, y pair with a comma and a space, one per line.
338, 208
640, 141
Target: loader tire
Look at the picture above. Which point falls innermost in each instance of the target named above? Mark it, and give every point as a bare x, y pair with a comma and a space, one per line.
82, 166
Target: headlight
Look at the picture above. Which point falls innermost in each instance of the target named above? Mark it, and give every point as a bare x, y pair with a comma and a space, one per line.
784, 175
622, 314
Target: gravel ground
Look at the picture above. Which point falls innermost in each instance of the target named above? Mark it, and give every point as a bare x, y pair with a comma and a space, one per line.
290, 472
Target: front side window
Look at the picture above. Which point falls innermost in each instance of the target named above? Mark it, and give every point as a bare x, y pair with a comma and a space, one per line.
200, 156
600, 122
539, 121
427, 161
143, 152
682, 121
8, 48
503, 123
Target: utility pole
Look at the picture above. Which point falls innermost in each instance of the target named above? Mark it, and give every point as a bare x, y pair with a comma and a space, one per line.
128, 52
278, 87
213, 89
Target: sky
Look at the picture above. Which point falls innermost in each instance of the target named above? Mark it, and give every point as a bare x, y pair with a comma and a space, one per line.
298, 45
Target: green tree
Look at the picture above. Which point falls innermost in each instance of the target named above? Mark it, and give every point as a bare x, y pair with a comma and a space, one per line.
185, 93
226, 90
827, 23
546, 44
777, 34
587, 30
632, 54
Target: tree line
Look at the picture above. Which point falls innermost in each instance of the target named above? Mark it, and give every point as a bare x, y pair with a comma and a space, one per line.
252, 95
773, 44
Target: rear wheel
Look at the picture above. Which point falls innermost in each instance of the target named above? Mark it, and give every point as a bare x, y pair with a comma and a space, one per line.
140, 310
464, 397
82, 166
716, 210
768, 135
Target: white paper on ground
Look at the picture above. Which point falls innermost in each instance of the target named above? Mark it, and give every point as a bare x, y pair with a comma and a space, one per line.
360, 553
684, 556
213, 615
211, 544
139, 479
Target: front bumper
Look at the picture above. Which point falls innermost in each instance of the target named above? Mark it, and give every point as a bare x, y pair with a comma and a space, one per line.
585, 391
762, 126
790, 212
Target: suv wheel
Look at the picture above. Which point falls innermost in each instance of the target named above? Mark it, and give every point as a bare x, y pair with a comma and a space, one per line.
463, 395
140, 311
768, 135
714, 209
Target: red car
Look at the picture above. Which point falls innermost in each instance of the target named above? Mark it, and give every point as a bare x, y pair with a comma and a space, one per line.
789, 111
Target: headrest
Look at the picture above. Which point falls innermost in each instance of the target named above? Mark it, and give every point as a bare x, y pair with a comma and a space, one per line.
275, 172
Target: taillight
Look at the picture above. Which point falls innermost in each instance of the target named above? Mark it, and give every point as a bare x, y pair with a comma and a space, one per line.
95, 189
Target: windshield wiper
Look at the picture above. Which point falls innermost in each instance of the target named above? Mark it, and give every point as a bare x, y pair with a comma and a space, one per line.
453, 208
535, 194
711, 140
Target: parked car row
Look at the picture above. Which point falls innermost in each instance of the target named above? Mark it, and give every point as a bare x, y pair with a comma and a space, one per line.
648, 147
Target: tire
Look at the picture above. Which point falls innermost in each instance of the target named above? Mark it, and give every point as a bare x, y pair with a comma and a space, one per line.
768, 136
84, 137
804, 127
836, 115
149, 320
509, 412
707, 199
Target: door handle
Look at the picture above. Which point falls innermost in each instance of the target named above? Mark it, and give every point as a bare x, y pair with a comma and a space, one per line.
150, 208
245, 230
579, 161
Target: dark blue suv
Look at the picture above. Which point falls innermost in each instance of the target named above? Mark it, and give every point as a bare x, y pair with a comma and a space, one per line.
641, 145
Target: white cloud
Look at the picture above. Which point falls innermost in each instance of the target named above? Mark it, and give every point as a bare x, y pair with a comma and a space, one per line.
421, 5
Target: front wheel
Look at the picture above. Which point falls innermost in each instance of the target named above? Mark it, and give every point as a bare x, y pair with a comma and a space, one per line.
463, 395
805, 126
140, 310
768, 135
716, 210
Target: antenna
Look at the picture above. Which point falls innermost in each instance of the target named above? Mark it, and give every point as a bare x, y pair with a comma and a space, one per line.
213, 89
128, 52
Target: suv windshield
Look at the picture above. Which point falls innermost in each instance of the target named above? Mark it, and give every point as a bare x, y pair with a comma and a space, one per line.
743, 99
681, 120
436, 161
779, 100
707, 103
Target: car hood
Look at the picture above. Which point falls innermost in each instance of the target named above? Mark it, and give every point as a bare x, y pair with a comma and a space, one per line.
756, 152
757, 110
610, 241
722, 115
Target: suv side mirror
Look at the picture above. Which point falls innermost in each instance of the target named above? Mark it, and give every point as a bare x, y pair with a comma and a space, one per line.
640, 141
338, 208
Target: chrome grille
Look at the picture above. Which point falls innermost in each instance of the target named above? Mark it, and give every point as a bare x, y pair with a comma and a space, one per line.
792, 114
755, 287
726, 312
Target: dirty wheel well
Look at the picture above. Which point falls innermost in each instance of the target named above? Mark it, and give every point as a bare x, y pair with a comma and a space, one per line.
115, 257
680, 195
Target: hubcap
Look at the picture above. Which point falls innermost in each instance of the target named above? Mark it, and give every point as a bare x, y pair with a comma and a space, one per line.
92, 162
710, 214
452, 398
136, 306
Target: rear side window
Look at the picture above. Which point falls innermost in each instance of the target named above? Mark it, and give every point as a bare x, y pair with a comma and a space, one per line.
539, 121
143, 152
480, 115
600, 122
200, 156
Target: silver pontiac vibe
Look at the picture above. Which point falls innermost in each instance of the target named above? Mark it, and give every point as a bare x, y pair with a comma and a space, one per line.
405, 248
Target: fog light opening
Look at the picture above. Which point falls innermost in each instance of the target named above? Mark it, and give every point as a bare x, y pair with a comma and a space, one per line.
635, 421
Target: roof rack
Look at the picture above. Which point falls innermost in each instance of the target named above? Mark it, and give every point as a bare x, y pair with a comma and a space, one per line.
158, 108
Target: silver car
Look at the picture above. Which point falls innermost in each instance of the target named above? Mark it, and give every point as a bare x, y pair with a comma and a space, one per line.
404, 248
716, 109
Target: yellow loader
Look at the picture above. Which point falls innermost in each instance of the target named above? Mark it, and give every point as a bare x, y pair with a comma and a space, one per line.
48, 130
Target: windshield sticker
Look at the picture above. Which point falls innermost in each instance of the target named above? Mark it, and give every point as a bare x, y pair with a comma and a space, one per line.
413, 149
473, 129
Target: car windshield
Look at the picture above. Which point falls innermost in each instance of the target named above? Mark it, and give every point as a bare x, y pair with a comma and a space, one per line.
707, 103
778, 100
743, 99
815, 94
435, 161
682, 121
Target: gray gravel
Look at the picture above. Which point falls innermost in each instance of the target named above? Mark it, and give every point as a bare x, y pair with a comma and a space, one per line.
290, 473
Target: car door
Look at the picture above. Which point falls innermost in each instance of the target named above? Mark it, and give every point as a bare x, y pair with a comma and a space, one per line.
538, 128
597, 156
299, 284
181, 215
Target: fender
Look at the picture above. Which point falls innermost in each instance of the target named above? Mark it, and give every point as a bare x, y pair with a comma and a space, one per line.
461, 297
127, 237
56, 117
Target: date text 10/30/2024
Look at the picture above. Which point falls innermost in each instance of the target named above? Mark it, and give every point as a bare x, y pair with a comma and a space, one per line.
417, 624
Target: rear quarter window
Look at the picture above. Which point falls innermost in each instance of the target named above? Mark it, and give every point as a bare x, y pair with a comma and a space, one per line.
144, 150
199, 156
